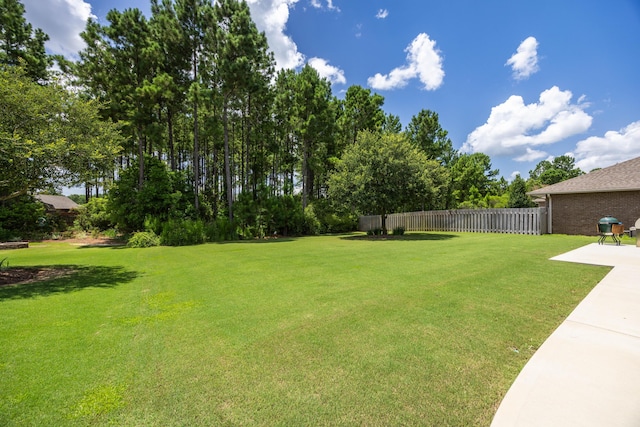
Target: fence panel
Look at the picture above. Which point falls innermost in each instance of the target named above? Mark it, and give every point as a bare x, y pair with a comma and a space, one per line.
514, 221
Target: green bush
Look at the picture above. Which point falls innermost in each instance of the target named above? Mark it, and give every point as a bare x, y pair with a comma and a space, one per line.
183, 233
398, 231
374, 232
313, 225
164, 195
220, 230
22, 216
322, 218
261, 214
143, 239
93, 215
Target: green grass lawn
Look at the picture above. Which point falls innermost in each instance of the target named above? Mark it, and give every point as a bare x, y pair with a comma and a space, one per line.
336, 330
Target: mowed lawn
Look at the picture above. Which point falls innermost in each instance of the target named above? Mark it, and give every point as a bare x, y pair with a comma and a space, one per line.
334, 330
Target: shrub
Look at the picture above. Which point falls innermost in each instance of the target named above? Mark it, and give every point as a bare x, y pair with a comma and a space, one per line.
22, 216
183, 233
374, 232
312, 223
220, 230
261, 214
164, 195
93, 215
143, 239
398, 231
321, 218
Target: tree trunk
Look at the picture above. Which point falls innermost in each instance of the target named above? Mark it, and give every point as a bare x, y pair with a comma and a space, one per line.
140, 159
172, 153
227, 160
383, 216
196, 156
305, 174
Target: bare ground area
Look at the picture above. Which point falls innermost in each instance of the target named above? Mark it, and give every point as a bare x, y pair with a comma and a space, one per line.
23, 275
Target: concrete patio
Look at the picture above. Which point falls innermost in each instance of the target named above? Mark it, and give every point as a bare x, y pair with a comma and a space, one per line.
587, 373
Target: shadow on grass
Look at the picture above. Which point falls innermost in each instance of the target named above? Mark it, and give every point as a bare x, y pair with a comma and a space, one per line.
51, 280
104, 245
263, 241
402, 238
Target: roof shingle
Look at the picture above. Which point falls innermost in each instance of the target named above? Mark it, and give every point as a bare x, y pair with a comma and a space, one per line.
623, 176
57, 202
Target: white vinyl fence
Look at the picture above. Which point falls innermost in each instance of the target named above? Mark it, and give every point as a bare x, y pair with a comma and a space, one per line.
514, 221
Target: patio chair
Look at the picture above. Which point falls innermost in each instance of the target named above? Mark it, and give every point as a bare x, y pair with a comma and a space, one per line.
617, 230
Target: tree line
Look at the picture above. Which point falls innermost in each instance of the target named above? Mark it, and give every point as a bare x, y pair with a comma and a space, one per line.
190, 97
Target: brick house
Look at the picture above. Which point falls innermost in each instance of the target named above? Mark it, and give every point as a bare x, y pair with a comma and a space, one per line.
574, 206
61, 206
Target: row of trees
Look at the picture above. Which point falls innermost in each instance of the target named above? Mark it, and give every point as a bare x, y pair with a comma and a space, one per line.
194, 86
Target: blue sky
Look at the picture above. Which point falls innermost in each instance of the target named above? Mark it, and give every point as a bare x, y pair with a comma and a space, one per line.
521, 81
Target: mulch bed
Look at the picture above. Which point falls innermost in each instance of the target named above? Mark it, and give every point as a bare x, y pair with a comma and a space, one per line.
23, 275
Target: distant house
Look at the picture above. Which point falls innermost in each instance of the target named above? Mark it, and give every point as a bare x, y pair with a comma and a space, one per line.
58, 205
574, 206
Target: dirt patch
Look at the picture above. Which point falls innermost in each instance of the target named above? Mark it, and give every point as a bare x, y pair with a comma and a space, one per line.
89, 241
24, 275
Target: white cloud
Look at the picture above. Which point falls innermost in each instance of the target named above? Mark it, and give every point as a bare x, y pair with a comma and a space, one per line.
334, 74
62, 20
331, 6
271, 16
423, 61
318, 5
513, 128
382, 14
531, 155
524, 62
614, 147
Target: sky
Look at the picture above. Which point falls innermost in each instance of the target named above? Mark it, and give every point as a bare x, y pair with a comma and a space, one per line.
521, 81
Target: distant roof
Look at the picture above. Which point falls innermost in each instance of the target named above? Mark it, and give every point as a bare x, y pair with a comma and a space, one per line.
57, 202
623, 176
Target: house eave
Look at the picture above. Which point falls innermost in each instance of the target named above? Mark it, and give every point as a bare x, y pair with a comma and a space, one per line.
542, 193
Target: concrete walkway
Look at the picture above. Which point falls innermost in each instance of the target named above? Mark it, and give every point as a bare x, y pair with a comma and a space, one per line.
587, 373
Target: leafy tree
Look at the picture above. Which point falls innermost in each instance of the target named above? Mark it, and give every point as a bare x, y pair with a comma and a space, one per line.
381, 173
164, 195
21, 214
472, 178
284, 160
425, 132
243, 67
559, 169
392, 124
20, 44
117, 65
49, 137
194, 16
314, 128
518, 197
80, 199
361, 111
169, 85
93, 215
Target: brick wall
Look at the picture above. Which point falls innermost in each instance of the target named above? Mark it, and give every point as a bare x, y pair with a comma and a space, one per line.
579, 213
